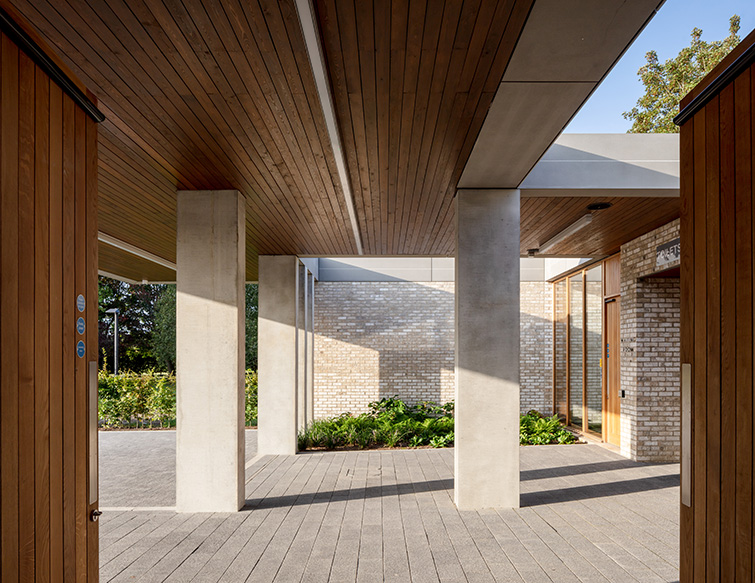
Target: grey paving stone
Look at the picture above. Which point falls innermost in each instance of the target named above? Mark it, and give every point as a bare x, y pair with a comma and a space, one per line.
138, 467
588, 516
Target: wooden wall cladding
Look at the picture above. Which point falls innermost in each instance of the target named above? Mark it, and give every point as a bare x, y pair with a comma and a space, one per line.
717, 186
48, 256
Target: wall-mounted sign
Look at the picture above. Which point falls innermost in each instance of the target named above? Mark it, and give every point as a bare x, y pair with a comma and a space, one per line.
668, 253
81, 325
81, 303
81, 349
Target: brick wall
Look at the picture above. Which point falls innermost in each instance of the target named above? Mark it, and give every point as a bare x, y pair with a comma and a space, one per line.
536, 348
379, 339
650, 411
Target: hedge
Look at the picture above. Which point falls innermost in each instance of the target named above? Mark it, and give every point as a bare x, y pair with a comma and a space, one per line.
146, 400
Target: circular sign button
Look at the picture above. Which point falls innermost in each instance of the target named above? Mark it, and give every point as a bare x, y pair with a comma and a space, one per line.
81, 325
81, 303
80, 349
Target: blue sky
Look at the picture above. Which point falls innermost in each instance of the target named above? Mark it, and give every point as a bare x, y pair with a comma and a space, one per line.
667, 33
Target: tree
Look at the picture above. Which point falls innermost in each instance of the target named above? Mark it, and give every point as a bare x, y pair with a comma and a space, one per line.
164, 331
252, 295
135, 322
666, 83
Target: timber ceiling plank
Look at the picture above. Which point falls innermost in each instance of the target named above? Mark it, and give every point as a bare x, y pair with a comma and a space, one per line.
626, 219
204, 95
412, 85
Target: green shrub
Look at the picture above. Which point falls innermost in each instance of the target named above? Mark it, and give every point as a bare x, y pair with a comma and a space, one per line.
536, 429
389, 423
148, 399
250, 392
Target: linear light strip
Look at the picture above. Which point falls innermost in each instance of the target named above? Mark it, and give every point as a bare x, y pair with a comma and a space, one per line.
134, 250
308, 25
580, 223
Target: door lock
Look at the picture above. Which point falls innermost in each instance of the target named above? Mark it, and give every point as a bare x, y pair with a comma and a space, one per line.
95, 515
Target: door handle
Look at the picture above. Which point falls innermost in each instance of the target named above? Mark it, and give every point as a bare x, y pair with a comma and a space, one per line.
95, 515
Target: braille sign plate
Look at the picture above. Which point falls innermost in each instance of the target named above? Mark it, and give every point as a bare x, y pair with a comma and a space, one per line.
81, 325
80, 349
81, 303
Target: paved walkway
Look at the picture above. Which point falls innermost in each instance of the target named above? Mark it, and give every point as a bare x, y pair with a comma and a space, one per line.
587, 515
138, 468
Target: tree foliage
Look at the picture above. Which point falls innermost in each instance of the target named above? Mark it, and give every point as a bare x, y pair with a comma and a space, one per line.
666, 83
135, 322
164, 332
163, 335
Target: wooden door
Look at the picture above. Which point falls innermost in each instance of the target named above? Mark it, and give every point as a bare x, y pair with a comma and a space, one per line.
612, 359
48, 327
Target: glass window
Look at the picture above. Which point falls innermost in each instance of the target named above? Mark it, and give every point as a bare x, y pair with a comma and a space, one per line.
594, 327
561, 315
576, 324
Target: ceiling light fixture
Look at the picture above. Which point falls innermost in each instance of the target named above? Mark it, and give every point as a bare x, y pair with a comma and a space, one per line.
599, 206
580, 223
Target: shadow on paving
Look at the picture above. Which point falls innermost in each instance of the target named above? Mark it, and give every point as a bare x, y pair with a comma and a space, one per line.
599, 490
562, 471
349, 493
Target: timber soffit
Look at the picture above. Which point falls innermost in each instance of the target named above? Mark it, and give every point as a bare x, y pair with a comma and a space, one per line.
222, 95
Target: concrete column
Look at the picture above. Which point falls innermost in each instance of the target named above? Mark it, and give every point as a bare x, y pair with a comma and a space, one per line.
277, 332
486, 454
210, 274
301, 347
310, 347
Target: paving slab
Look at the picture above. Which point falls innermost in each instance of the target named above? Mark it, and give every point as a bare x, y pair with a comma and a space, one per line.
587, 516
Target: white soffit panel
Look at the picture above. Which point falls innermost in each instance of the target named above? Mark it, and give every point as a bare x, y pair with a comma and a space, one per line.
522, 121
566, 48
607, 165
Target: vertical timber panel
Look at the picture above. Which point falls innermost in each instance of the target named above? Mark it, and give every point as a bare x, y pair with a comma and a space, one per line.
26, 318
700, 368
718, 326
80, 387
744, 328
69, 354
56, 332
48, 254
728, 331
713, 341
686, 140
42, 325
9, 315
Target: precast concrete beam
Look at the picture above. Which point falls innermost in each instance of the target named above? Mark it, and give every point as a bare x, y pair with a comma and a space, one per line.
210, 274
486, 454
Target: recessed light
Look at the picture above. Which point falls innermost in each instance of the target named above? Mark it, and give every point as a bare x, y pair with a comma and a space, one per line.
599, 206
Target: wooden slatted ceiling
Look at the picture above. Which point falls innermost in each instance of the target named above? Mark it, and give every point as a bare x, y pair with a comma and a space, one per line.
203, 96
412, 83
628, 218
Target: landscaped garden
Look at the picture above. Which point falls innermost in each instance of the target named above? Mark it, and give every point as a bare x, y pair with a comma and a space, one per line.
148, 400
